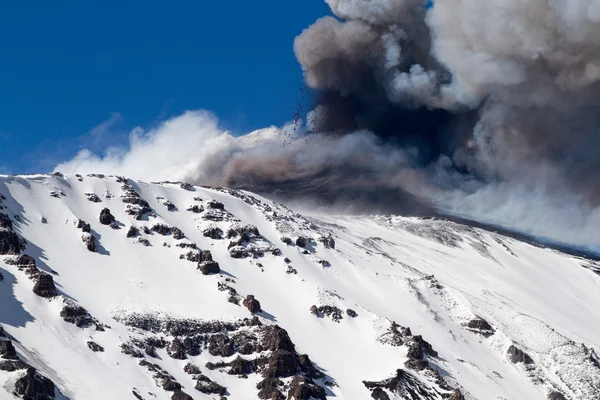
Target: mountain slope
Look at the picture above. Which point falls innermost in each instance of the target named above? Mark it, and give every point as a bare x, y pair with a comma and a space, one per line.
404, 308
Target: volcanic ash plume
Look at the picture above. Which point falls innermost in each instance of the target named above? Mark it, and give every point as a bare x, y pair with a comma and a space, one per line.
487, 109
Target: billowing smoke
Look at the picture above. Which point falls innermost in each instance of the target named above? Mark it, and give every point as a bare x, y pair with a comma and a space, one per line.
484, 109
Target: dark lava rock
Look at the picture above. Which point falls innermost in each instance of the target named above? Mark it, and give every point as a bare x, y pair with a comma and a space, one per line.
252, 304
210, 387
241, 366
328, 242
277, 338
34, 386
178, 234
480, 326
170, 385
351, 313
44, 286
554, 396
176, 350
95, 347
77, 315
287, 240
419, 347
7, 350
208, 268
90, 242
84, 226
12, 365
191, 369
269, 389
221, 345
215, 205
308, 368
9, 243
417, 365
302, 241
106, 218
6, 222
281, 364
213, 233
305, 389
516, 355
179, 395
133, 232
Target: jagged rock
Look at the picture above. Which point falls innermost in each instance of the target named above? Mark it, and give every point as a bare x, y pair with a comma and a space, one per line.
84, 226
9, 243
481, 327
328, 242
215, 205
191, 369
351, 313
186, 186
287, 240
252, 304
305, 389
12, 365
417, 365
207, 265
133, 232
7, 350
106, 218
281, 364
213, 233
516, 355
308, 368
332, 312
115, 226
419, 347
90, 241
240, 366
95, 347
170, 385
196, 209
210, 387
161, 229
551, 396
144, 241
238, 252
179, 395
269, 389
131, 351
34, 386
43, 220
277, 338
44, 286
93, 197
221, 345
77, 315
403, 384
5, 222
177, 234
176, 350
302, 241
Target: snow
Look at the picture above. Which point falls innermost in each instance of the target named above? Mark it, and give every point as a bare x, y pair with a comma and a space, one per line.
543, 301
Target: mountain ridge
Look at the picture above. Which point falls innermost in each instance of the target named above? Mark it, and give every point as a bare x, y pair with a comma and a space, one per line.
167, 290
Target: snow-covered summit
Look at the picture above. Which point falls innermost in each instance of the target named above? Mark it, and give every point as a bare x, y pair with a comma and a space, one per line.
117, 289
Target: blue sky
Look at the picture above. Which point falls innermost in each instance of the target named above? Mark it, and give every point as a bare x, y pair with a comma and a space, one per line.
80, 73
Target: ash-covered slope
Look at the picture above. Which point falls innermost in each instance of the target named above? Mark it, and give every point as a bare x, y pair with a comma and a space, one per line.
115, 289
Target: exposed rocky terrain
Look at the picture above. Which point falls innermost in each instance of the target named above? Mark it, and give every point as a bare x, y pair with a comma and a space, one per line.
116, 289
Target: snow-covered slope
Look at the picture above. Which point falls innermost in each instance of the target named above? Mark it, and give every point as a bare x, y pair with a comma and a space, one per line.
381, 307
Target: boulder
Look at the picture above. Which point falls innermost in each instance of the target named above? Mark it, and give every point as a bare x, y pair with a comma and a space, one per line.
106, 218
277, 338
305, 389
133, 232
252, 304
44, 286
351, 313
9, 243
240, 366
33, 386
179, 395
269, 389
554, 396
516, 355
176, 350
95, 347
302, 241
210, 387
90, 241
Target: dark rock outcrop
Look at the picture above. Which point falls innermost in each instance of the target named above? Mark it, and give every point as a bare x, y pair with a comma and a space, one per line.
277, 338
179, 395
44, 286
305, 389
206, 386
281, 364
351, 313
207, 265
7, 350
34, 386
555, 396
252, 304
133, 232
516, 355
90, 242
9, 242
302, 241
328, 242
176, 350
106, 218
481, 327
215, 205
84, 226
240, 366
269, 389
213, 233
95, 347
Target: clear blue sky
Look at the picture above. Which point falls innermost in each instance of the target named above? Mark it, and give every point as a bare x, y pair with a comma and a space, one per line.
68, 66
